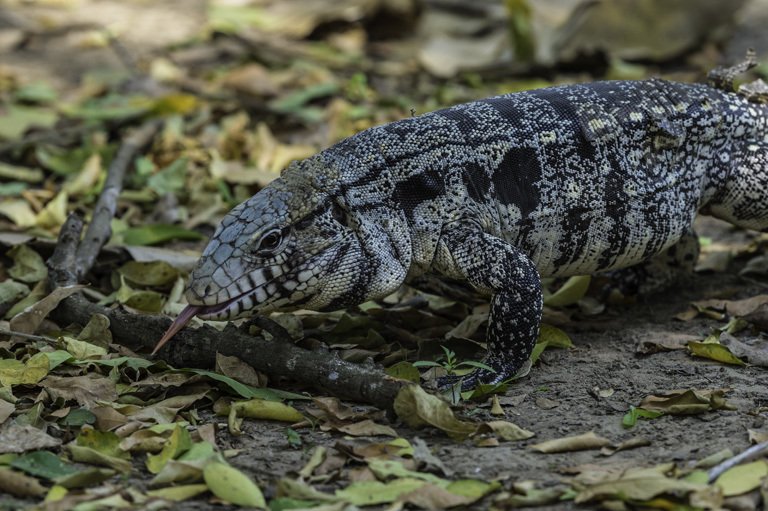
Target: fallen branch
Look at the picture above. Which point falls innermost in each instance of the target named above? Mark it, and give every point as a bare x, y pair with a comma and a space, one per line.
99, 230
279, 358
751, 453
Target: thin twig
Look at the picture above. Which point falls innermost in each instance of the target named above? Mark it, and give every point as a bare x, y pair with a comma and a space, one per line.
31, 337
99, 229
750, 453
62, 135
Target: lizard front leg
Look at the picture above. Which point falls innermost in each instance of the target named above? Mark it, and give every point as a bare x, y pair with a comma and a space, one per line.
496, 267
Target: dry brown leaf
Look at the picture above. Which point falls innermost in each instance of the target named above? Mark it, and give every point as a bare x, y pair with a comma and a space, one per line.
573, 443
20, 485
505, 430
107, 418
638, 484
546, 404
333, 410
376, 451
685, 402
20, 439
367, 428
491, 441
430, 496
331, 464
6, 409
733, 307
252, 79
27, 322
419, 409
86, 390
756, 352
238, 370
206, 433
757, 437
632, 443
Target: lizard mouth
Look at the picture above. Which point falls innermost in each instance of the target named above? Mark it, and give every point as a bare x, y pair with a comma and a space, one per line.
201, 311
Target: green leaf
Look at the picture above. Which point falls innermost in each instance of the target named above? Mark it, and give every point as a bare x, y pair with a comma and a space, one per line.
198, 451
426, 363
538, 349
230, 484
105, 442
170, 179
28, 265
158, 233
303, 96
36, 92
742, 478
554, 337
479, 365
67, 162
149, 273
43, 464
15, 120
405, 371
178, 443
109, 107
13, 189
78, 417
178, 493
630, 419
368, 493
131, 362
14, 372
12, 291
58, 357
571, 292
245, 391
715, 351
147, 301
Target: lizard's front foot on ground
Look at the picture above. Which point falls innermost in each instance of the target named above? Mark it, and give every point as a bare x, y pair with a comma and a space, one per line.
476, 377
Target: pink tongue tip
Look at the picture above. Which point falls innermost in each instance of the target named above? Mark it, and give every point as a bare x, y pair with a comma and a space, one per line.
184, 317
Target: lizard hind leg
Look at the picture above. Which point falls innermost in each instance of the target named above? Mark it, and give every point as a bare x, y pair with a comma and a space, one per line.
743, 198
660, 271
494, 266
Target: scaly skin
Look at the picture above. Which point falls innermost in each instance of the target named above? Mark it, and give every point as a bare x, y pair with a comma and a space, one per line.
562, 181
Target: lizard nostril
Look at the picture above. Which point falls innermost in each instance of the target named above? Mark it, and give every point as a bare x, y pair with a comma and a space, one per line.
207, 290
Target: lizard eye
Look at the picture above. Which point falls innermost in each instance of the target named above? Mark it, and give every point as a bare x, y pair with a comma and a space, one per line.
270, 240
339, 214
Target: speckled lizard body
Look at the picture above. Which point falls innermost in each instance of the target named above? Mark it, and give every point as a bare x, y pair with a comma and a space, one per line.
561, 181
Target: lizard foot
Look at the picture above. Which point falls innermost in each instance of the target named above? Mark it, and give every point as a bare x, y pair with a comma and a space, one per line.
476, 377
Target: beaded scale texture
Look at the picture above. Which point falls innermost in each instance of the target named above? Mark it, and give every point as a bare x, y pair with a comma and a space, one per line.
562, 181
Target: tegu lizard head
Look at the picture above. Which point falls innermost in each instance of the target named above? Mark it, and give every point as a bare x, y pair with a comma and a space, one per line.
300, 241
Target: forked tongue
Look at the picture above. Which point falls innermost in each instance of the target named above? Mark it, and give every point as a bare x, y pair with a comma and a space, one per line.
189, 312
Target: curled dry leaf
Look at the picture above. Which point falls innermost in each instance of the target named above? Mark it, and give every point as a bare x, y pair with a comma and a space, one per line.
573, 443
419, 409
754, 351
632, 443
28, 321
638, 484
686, 402
20, 485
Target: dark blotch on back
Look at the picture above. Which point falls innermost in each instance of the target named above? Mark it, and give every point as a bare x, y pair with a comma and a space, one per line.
419, 188
517, 179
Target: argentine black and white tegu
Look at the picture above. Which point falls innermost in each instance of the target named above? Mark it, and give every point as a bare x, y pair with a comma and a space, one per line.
569, 180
